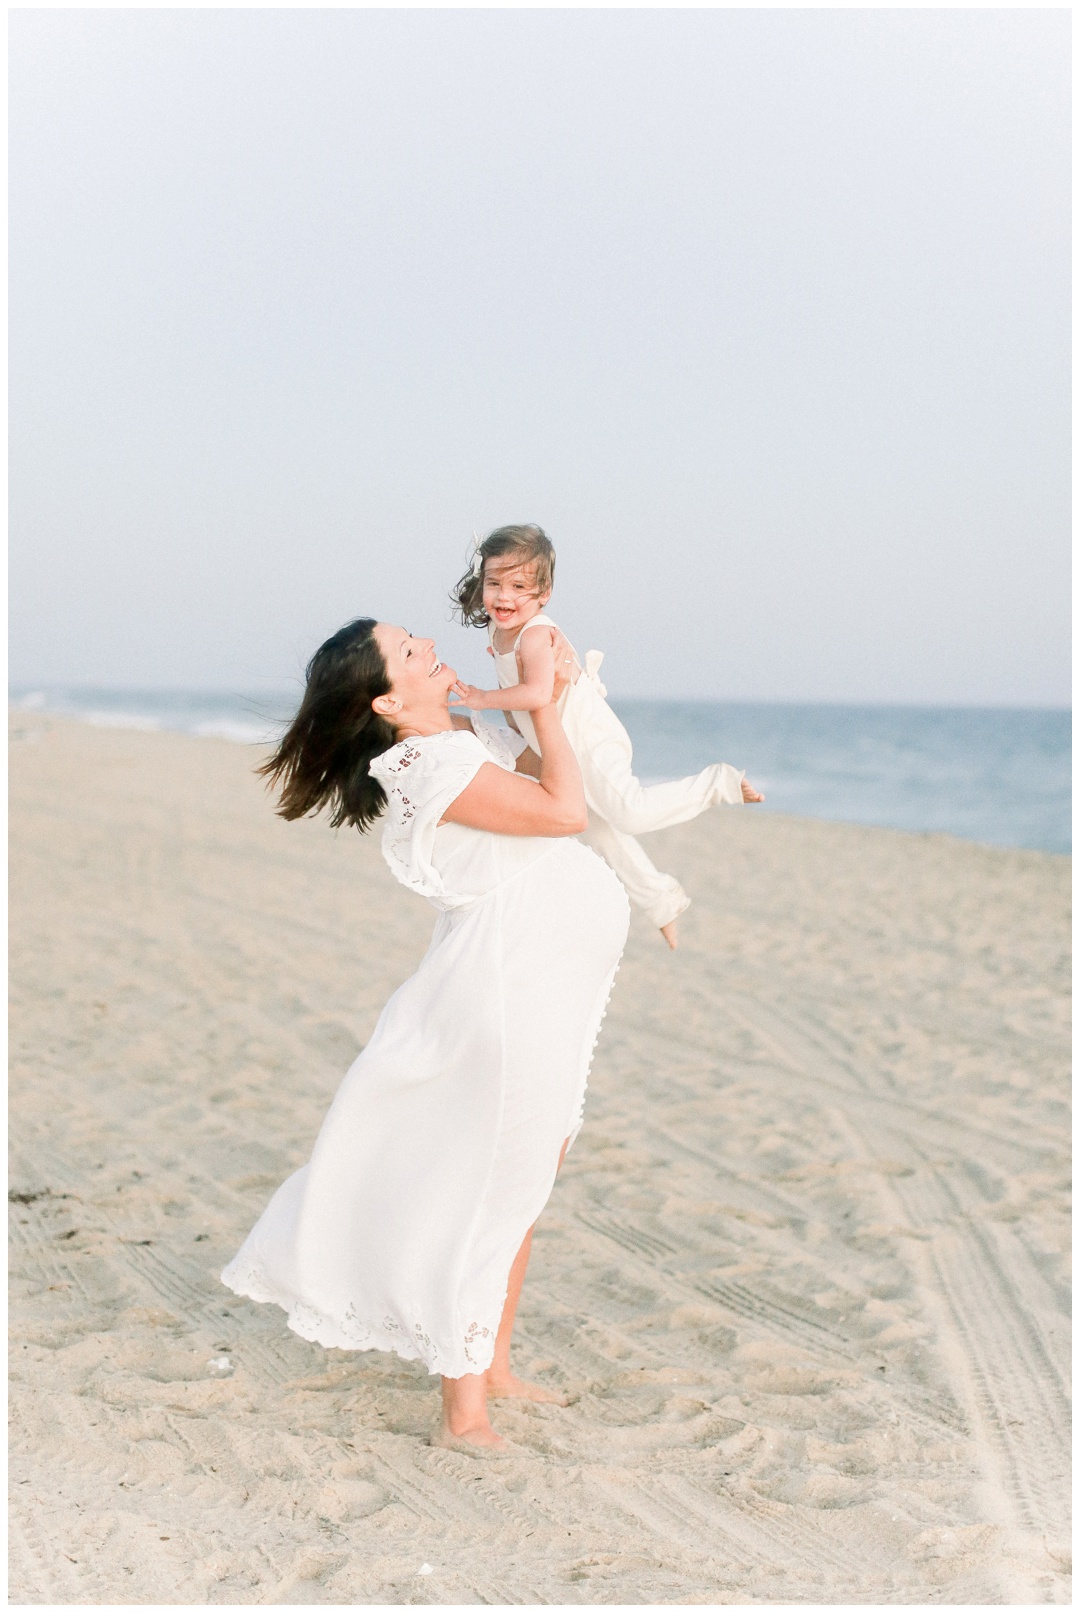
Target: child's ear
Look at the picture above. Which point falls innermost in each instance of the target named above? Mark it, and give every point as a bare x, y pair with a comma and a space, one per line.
542, 599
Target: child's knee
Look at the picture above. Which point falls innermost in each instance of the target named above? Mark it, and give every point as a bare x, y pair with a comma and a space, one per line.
625, 813
625, 821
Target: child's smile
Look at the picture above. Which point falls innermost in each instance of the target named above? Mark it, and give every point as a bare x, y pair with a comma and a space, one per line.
510, 594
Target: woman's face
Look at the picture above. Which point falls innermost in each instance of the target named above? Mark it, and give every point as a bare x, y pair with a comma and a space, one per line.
419, 680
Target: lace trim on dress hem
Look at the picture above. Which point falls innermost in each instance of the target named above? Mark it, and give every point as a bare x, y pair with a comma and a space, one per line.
349, 1332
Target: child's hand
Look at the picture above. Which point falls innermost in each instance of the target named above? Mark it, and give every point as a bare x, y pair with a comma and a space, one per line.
471, 696
749, 793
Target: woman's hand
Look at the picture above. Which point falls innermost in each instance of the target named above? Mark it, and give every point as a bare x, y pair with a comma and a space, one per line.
564, 663
749, 793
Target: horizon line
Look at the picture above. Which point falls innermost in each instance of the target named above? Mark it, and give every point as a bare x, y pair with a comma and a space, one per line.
23, 688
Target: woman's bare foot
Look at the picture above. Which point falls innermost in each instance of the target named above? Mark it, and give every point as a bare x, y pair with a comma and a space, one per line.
670, 932
484, 1438
464, 1413
508, 1387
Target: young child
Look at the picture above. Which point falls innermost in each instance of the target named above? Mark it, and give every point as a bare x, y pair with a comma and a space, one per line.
505, 590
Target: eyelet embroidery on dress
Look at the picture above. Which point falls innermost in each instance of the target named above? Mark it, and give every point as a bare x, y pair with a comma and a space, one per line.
407, 809
407, 755
473, 1333
305, 1317
353, 1327
447, 761
348, 1331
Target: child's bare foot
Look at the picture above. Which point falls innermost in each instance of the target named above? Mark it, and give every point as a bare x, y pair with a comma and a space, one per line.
511, 1388
670, 932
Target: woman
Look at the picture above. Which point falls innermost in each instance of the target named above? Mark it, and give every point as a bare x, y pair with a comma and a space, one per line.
409, 1230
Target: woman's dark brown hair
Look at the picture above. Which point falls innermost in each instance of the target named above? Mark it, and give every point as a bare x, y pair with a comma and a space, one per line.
530, 544
322, 759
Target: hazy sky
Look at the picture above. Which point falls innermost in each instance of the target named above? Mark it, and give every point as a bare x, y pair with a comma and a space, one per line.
762, 314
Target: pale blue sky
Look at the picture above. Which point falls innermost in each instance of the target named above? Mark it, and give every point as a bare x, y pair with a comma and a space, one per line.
764, 315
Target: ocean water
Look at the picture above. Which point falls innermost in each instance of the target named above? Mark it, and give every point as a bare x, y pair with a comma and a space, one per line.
1002, 777
248, 719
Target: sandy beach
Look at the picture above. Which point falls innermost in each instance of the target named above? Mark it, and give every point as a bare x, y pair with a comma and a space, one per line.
804, 1274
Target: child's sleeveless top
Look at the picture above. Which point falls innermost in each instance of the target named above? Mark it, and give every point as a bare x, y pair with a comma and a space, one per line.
508, 673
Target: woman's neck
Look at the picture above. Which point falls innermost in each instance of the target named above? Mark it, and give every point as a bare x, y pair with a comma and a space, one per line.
420, 724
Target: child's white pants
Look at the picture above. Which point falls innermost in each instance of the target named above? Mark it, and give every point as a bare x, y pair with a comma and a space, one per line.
621, 807
634, 808
660, 896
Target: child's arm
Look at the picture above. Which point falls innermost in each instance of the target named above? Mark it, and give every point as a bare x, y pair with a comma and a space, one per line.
536, 659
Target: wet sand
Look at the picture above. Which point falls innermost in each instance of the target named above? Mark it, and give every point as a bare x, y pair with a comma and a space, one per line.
804, 1274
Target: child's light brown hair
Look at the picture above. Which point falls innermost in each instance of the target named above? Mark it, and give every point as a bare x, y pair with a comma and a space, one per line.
529, 544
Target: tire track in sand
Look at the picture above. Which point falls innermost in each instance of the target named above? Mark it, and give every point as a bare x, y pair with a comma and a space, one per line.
997, 1355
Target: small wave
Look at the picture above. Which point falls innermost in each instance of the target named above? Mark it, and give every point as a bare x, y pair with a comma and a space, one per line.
238, 732
116, 719
234, 718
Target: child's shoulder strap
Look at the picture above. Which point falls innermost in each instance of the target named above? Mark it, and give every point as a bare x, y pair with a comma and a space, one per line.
534, 621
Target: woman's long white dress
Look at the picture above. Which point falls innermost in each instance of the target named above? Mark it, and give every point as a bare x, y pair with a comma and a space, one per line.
440, 1149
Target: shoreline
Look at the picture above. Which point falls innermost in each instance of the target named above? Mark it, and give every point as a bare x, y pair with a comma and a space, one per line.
24, 723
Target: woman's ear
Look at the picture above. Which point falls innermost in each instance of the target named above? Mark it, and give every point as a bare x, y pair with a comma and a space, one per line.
385, 705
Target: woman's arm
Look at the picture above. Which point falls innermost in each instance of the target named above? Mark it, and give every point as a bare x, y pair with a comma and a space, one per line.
537, 658
510, 804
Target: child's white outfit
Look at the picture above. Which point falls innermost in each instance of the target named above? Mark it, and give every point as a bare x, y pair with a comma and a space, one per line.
619, 806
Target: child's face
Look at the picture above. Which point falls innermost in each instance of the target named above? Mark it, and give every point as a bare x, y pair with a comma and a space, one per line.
510, 594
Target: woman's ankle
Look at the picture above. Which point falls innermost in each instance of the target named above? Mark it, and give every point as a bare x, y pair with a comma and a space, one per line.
462, 1424
464, 1407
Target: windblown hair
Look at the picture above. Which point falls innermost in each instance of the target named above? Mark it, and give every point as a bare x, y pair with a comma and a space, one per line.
322, 759
530, 544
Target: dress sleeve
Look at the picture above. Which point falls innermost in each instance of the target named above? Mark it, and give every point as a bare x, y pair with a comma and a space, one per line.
502, 744
422, 777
